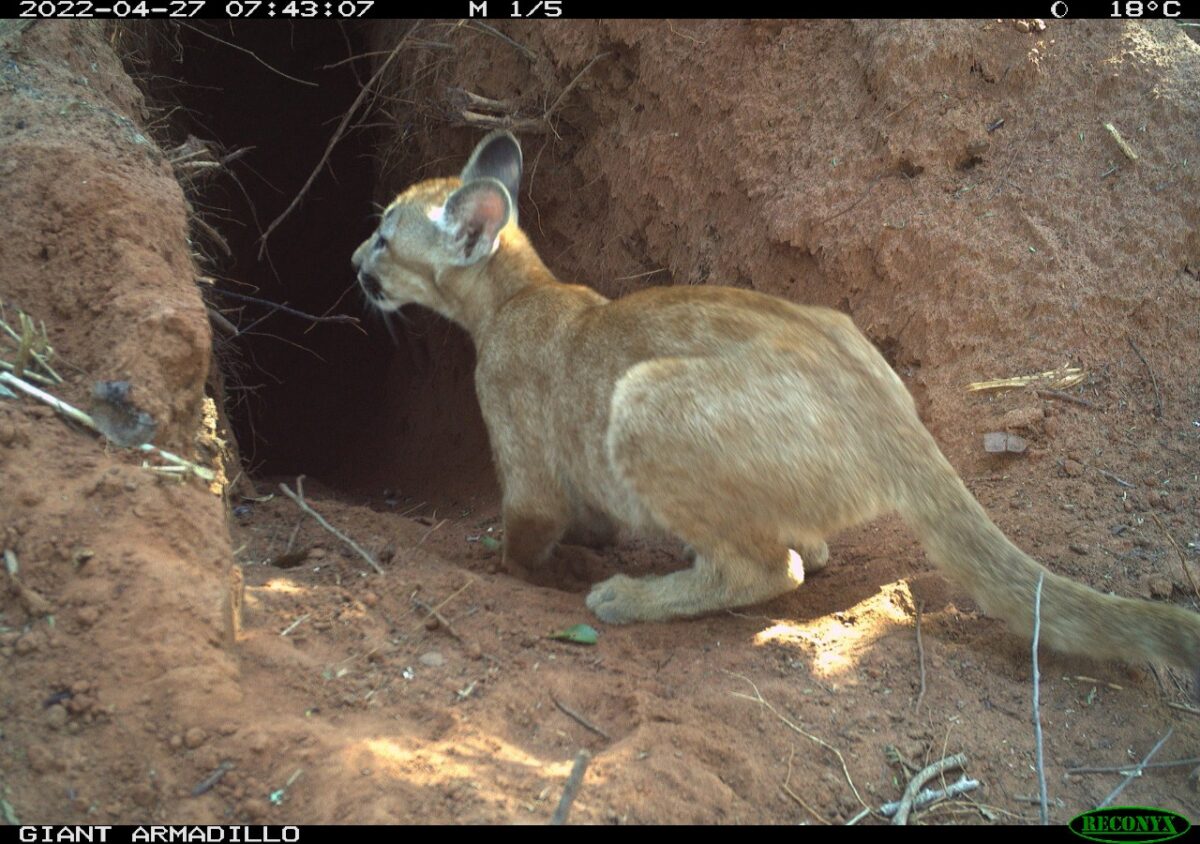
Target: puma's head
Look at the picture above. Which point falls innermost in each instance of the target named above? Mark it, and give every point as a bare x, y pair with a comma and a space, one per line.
440, 224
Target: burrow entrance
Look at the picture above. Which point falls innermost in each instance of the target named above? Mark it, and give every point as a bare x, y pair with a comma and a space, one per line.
382, 409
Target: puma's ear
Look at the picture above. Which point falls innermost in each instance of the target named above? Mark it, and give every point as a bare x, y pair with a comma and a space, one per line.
472, 219
498, 156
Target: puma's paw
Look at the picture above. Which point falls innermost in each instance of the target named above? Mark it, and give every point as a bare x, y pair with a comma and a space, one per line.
615, 600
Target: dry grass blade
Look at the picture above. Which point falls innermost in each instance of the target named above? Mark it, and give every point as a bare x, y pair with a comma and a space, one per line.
1055, 379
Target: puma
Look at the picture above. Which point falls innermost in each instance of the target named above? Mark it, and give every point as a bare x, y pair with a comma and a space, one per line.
746, 426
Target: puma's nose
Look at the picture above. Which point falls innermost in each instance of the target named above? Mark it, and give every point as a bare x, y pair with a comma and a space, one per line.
370, 284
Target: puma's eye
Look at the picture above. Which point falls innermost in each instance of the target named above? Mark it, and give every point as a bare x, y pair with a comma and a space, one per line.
380, 243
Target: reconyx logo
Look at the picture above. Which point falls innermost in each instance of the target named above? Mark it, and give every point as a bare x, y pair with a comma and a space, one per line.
1121, 824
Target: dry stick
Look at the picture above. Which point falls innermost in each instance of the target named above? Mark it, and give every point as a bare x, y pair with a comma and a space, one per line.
1158, 405
579, 719
303, 505
1121, 142
758, 698
1179, 551
571, 788
252, 54
1183, 707
562, 95
1125, 769
1037, 712
918, 782
433, 612
276, 306
1114, 478
1061, 396
920, 657
337, 136
1136, 772
930, 795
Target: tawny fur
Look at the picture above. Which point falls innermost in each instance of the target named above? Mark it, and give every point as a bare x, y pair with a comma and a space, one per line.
748, 427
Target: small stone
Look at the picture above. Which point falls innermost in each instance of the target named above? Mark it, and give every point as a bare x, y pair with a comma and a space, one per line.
176, 742
1073, 468
370, 599
27, 644
432, 623
1021, 26
317, 553
194, 737
474, 651
433, 659
88, 616
997, 442
56, 717
1127, 505
1079, 548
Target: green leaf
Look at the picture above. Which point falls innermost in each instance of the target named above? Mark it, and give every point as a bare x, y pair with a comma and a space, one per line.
580, 634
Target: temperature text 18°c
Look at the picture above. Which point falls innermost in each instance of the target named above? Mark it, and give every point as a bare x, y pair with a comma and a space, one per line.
1144, 8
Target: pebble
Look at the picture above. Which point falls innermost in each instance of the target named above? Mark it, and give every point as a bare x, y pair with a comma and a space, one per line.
433, 659
1079, 548
1021, 26
194, 737
88, 616
1073, 468
56, 717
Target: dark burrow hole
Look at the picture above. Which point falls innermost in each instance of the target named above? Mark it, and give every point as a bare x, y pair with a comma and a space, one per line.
385, 405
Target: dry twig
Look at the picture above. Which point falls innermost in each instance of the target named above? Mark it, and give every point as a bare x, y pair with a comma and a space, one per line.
298, 497
1037, 712
571, 788
579, 719
918, 782
1136, 772
337, 136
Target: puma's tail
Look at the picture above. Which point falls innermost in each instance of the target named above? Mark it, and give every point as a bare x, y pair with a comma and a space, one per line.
961, 539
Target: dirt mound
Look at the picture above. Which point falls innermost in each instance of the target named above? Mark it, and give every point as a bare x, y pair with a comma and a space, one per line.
952, 186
